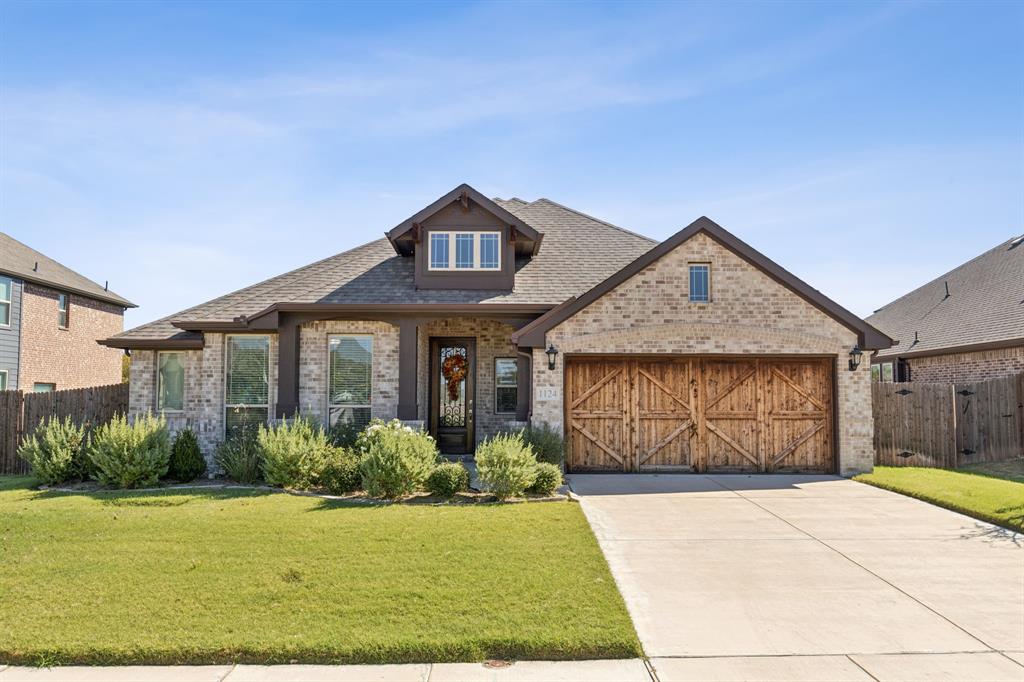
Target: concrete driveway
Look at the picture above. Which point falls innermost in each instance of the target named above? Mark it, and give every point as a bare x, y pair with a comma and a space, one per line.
807, 577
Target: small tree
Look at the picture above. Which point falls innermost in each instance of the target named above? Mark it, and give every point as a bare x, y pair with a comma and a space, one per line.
186, 461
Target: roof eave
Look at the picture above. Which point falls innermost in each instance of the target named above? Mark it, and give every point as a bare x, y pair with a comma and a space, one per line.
113, 299
949, 350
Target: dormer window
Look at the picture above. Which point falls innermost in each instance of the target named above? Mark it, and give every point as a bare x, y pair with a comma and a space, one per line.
465, 251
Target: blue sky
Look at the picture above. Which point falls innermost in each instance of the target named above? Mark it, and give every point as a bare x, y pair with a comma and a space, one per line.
185, 150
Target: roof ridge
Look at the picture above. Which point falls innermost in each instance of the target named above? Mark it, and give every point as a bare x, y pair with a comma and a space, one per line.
943, 276
596, 220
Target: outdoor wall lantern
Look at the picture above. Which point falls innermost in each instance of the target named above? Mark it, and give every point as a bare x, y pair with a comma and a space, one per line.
552, 353
855, 354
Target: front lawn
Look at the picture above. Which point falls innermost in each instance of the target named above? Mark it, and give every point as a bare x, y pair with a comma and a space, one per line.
253, 576
980, 494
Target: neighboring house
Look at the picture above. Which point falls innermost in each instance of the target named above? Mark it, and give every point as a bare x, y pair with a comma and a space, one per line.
50, 320
476, 316
967, 325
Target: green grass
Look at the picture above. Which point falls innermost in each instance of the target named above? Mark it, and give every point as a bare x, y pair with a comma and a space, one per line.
976, 491
252, 576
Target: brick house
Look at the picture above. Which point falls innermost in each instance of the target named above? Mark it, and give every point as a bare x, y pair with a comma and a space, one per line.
51, 318
480, 315
967, 325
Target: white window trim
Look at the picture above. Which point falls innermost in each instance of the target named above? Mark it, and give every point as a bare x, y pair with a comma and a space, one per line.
224, 379
452, 234
184, 383
66, 310
10, 306
689, 283
327, 416
3, 373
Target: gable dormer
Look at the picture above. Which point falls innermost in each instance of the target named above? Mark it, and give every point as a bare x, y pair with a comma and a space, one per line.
465, 241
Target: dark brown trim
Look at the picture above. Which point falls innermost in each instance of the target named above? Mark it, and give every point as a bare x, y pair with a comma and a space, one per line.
524, 384
330, 310
868, 337
952, 350
288, 368
408, 334
456, 195
153, 344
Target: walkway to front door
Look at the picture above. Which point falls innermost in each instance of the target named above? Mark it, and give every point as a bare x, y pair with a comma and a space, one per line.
722, 574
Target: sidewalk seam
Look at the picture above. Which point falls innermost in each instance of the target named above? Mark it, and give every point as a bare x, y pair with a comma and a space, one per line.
228, 673
850, 658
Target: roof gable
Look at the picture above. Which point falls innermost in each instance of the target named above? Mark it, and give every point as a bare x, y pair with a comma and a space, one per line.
533, 334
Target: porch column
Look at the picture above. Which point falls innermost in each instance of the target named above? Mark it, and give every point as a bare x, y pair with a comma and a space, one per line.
287, 367
524, 383
408, 329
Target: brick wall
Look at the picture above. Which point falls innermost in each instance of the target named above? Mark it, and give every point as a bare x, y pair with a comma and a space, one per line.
749, 314
973, 366
69, 358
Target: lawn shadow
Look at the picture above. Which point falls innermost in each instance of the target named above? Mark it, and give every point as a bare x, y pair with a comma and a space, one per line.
157, 497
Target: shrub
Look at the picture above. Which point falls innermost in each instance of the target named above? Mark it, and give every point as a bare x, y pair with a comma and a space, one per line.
294, 452
506, 465
130, 454
186, 461
395, 459
546, 443
447, 479
344, 434
339, 471
239, 457
56, 451
549, 477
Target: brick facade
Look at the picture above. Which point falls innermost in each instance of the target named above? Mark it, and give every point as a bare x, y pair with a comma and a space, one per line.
69, 358
749, 313
972, 366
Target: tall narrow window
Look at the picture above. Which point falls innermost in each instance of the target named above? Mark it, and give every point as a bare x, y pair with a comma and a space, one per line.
699, 284
438, 251
351, 379
6, 285
62, 311
463, 251
489, 251
506, 385
3, 380
170, 381
247, 382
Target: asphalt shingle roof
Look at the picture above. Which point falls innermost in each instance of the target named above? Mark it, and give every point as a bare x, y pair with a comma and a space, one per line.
24, 262
578, 252
985, 305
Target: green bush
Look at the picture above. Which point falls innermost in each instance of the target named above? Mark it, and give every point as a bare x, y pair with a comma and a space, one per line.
240, 457
395, 459
339, 471
546, 443
293, 452
56, 451
506, 465
447, 479
187, 461
131, 454
344, 434
549, 478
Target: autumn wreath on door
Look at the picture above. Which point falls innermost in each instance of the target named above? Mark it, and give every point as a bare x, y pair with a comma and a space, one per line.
454, 371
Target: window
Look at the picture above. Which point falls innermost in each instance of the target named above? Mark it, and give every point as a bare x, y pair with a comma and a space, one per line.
3, 379
438, 250
699, 284
43, 387
465, 250
62, 311
506, 385
882, 372
350, 383
170, 381
6, 285
247, 382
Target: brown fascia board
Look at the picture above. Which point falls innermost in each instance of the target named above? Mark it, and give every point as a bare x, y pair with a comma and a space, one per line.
153, 344
396, 232
49, 284
948, 350
868, 337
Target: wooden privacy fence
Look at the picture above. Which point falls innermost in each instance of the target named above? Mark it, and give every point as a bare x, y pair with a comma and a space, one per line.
20, 413
948, 425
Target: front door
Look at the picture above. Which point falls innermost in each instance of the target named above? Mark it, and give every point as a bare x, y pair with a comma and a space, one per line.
452, 393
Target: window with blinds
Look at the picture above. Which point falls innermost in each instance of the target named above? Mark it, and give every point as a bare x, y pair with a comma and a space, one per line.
170, 380
350, 381
506, 385
246, 383
700, 285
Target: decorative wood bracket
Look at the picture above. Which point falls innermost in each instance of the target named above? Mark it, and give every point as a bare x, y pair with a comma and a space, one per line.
417, 230
464, 201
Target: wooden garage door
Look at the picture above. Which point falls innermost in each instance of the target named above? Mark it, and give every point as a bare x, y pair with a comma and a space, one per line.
699, 414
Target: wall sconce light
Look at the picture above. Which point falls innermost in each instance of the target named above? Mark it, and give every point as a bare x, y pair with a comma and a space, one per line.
552, 353
855, 354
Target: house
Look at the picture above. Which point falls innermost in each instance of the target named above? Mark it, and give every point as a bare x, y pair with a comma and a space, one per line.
967, 325
479, 315
50, 320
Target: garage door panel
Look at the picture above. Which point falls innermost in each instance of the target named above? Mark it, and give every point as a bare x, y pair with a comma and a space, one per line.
666, 432
733, 446
596, 399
